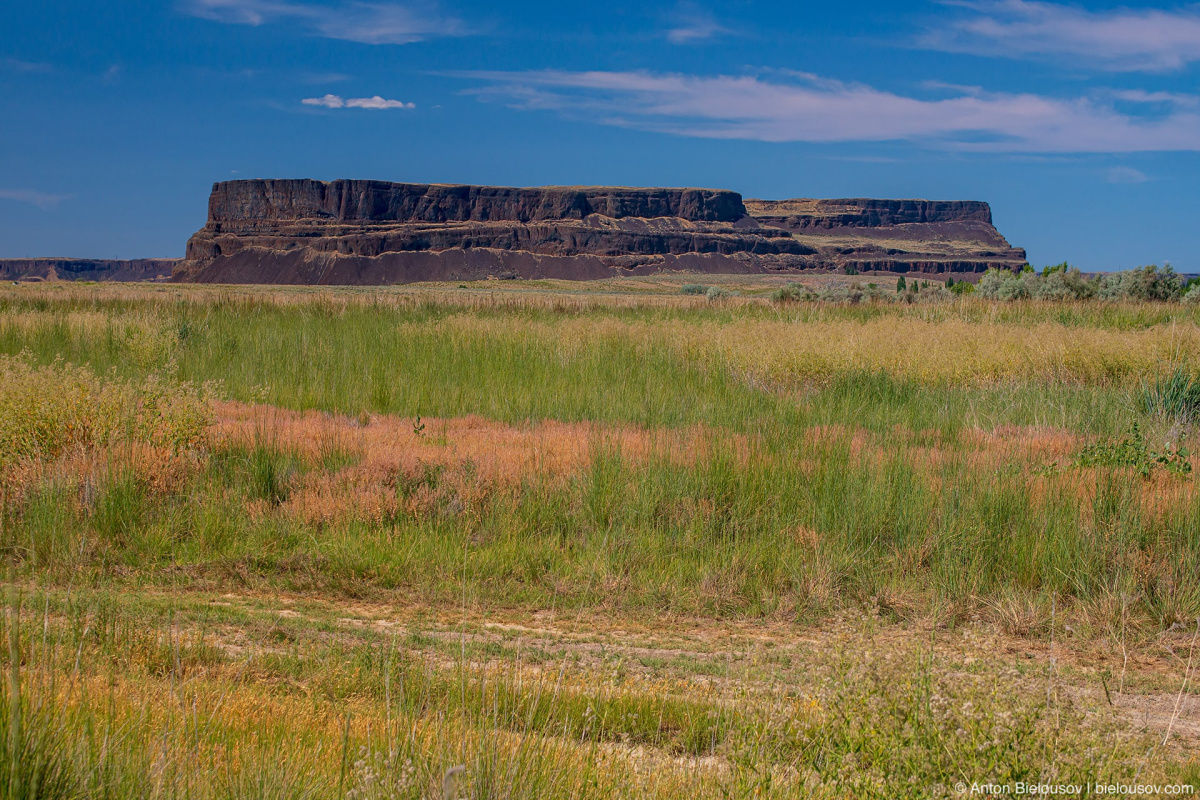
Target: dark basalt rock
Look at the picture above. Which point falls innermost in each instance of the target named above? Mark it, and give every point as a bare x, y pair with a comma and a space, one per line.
237, 202
866, 213
373, 232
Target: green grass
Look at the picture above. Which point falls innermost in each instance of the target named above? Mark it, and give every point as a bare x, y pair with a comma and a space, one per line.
629, 536
783, 494
407, 361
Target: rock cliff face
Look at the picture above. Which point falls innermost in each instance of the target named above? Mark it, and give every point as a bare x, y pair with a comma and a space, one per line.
82, 269
372, 232
893, 235
866, 213
242, 203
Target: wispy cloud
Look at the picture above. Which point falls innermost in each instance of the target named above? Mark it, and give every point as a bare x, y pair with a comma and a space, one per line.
808, 108
375, 103
1126, 175
1158, 98
365, 22
318, 78
44, 201
1124, 39
26, 67
689, 24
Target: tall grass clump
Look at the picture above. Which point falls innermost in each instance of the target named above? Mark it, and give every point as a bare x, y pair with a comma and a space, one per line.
1175, 396
271, 471
35, 763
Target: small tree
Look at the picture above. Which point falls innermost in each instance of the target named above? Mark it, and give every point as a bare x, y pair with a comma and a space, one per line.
901, 284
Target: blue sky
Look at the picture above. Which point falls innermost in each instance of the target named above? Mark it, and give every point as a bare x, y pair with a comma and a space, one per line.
1080, 124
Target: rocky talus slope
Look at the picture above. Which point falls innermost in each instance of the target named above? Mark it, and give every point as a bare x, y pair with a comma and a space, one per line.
373, 232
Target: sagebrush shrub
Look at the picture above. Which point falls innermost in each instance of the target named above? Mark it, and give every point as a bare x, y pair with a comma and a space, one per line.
791, 293
1064, 282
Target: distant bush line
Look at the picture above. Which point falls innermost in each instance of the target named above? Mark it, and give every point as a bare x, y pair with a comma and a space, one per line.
710, 292
1058, 282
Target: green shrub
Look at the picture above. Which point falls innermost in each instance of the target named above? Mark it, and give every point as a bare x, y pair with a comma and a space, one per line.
1061, 282
694, 288
841, 293
1144, 283
1003, 285
1152, 283
792, 293
1064, 282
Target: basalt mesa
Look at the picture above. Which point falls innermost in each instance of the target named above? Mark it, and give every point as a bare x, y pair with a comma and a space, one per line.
373, 232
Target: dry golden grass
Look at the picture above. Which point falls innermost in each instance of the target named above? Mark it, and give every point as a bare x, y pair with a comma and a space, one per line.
946, 352
940, 352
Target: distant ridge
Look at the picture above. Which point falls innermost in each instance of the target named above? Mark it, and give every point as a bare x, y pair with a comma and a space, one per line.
86, 269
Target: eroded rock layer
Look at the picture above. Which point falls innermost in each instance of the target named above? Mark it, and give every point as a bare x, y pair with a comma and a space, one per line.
372, 232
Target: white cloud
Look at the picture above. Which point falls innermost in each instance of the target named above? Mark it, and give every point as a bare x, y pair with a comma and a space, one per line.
377, 102
42, 200
692, 24
1123, 39
365, 22
336, 101
813, 109
1126, 175
328, 101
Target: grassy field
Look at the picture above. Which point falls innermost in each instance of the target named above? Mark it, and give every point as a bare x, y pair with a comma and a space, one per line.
593, 540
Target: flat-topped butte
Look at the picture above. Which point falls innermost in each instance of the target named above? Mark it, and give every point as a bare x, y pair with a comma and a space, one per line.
375, 232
